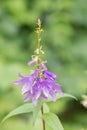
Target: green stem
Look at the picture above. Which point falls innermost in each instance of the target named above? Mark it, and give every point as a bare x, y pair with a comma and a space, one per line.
39, 40
39, 33
43, 122
39, 30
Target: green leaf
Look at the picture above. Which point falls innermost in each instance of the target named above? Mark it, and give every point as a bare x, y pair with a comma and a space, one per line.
53, 121
22, 109
46, 108
64, 95
36, 111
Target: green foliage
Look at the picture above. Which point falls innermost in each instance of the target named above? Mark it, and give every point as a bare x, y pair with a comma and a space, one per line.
29, 107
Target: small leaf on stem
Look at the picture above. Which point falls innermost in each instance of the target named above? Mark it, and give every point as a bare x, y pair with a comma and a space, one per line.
53, 121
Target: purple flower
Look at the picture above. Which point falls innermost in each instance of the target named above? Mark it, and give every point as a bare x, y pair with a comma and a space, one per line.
27, 81
31, 62
43, 66
49, 75
35, 87
34, 60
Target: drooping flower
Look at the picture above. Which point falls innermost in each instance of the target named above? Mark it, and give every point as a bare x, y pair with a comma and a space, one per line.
35, 87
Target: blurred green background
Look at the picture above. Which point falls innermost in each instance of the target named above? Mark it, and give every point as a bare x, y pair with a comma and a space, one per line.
65, 44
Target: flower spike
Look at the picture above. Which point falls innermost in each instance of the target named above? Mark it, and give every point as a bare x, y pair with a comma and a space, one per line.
41, 84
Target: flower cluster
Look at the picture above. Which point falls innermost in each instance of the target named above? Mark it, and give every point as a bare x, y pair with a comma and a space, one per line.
37, 85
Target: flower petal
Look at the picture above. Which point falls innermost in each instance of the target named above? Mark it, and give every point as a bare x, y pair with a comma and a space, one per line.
45, 92
35, 101
43, 97
37, 94
44, 66
31, 62
50, 75
28, 97
35, 74
20, 75
58, 88
19, 82
53, 95
25, 88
